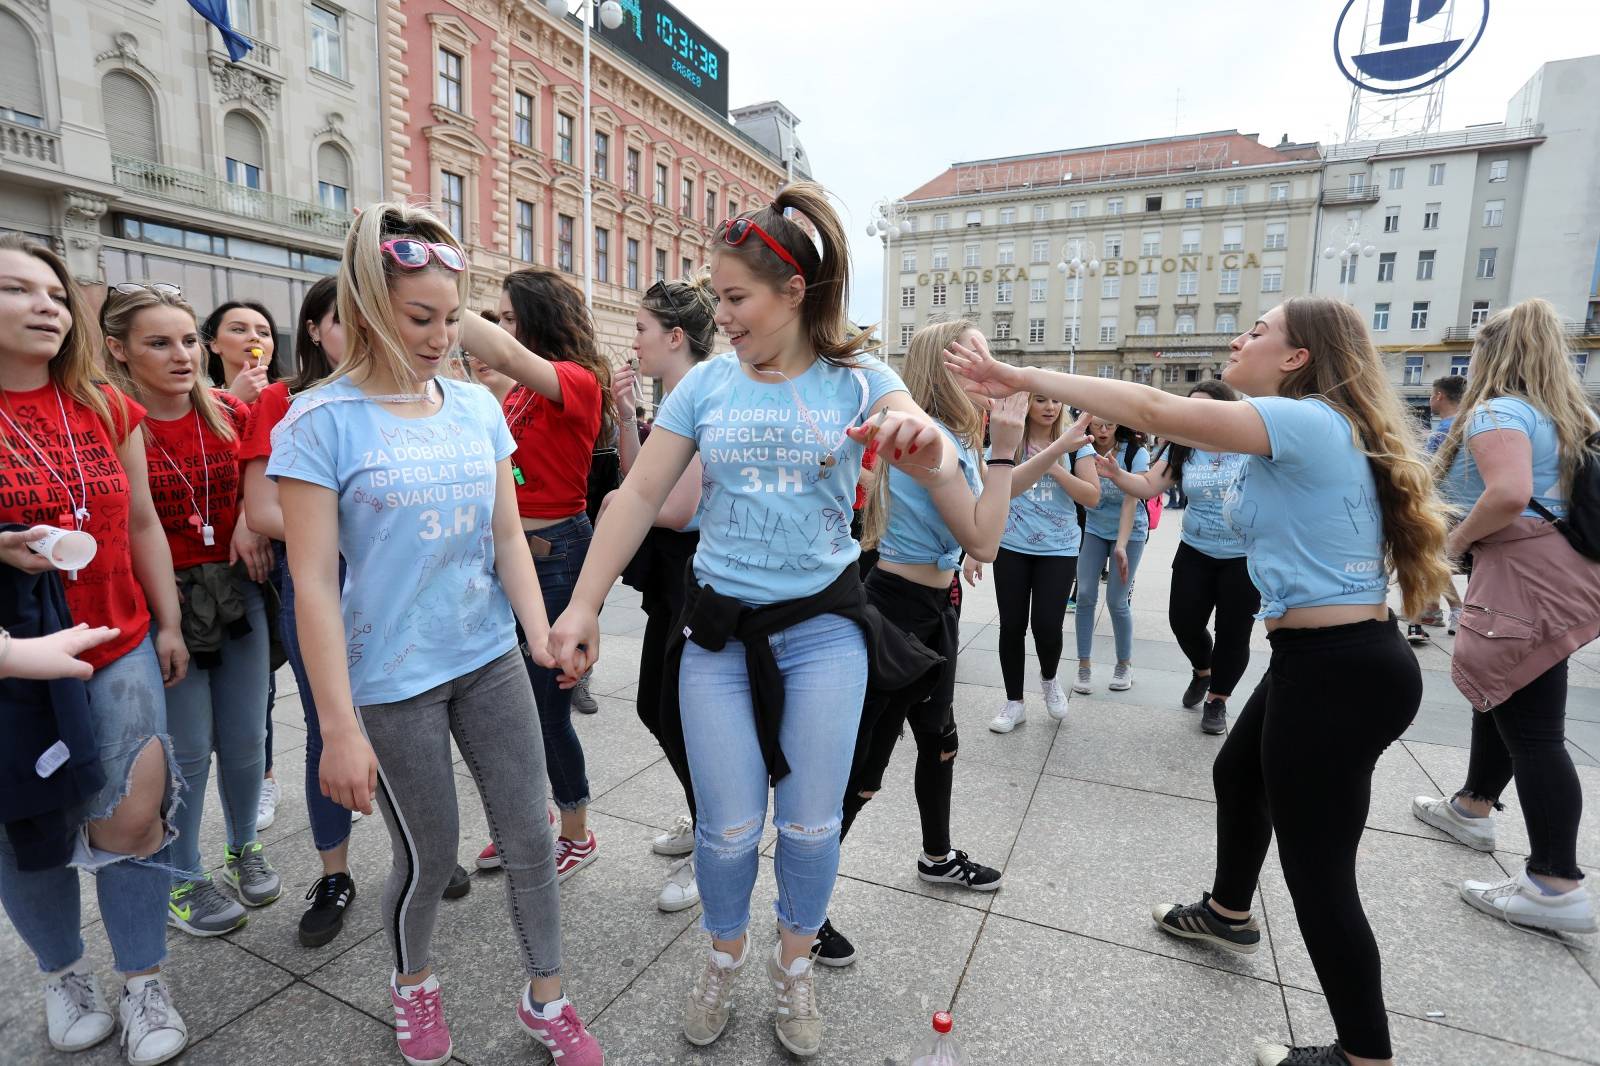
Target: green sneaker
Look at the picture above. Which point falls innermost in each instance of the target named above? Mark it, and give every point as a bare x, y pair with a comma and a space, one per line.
200, 908
248, 871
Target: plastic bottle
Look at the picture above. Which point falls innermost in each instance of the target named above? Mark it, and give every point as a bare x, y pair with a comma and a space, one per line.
939, 1048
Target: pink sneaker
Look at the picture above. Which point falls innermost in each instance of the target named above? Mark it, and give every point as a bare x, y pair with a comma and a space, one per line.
572, 855
489, 858
563, 1035
419, 1025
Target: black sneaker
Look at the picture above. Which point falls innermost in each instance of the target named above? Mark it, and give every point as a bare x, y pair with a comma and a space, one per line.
460, 884
1197, 921
831, 948
1278, 1055
330, 897
1416, 634
959, 870
1196, 691
1214, 718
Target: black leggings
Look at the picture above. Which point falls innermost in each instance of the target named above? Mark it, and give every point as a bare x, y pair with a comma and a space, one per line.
1525, 737
928, 615
1046, 580
1199, 585
1299, 762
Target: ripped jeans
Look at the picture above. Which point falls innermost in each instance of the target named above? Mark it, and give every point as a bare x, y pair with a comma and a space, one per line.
824, 665
130, 708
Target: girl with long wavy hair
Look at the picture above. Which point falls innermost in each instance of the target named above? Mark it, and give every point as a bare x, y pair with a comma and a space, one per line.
1336, 498
1508, 464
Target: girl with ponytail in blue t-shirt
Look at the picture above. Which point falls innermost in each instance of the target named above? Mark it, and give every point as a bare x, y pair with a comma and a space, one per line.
1335, 498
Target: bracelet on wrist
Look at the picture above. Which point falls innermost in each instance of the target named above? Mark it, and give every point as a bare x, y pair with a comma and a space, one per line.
1003, 462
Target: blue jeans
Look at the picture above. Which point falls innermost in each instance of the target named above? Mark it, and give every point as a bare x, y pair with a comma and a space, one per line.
1091, 557
222, 709
558, 573
824, 666
330, 823
126, 698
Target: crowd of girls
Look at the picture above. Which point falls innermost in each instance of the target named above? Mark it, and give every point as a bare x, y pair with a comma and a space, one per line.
423, 530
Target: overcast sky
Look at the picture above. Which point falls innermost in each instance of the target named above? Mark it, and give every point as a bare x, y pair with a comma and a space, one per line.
891, 92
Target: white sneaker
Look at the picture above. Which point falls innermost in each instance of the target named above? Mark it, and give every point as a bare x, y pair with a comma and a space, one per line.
1121, 678
1519, 901
75, 1012
1454, 622
1477, 833
677, 841
267, 807
681, 891
1011, 715
1085, 683
1055, 701
152, 1029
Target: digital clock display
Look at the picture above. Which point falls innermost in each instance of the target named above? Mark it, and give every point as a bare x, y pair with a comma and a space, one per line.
659, 36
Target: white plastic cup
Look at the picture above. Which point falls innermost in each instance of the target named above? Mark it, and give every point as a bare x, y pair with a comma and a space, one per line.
67, 549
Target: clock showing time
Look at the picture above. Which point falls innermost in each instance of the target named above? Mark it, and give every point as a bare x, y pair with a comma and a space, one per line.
668, 43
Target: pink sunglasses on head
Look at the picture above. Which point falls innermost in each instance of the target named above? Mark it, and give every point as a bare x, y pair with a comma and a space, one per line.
413, 254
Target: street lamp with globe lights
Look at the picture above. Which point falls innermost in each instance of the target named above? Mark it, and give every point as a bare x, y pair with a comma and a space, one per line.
889, 218
1346, 245
1078, 259
610, 18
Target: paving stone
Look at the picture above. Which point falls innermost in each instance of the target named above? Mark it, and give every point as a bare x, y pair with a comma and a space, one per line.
300, 1025
1025, 748
1155, 749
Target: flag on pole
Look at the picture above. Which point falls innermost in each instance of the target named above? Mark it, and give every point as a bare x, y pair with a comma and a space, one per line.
216, 13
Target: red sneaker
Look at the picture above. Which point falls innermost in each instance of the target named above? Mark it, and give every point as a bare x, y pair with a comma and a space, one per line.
563, 1035
573, 855
489, 858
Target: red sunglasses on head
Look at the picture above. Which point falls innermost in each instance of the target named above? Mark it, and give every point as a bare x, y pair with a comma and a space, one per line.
735, 231
413, 254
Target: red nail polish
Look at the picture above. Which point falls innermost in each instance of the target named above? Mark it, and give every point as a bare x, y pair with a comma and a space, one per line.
913, 450
897, 453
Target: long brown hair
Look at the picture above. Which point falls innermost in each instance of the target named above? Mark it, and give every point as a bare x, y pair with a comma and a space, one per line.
826, 274
1345, 371
553, 322
117, 316
75, 368
1522, 351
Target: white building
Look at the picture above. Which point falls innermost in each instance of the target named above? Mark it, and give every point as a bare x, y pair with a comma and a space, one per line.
131, 143
1464, 222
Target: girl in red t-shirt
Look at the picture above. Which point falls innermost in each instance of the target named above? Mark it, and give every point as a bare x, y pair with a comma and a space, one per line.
240, 338
191, 437
556, 412
72, 455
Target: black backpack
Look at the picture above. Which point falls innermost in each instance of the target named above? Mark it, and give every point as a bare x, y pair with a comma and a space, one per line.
1581, 527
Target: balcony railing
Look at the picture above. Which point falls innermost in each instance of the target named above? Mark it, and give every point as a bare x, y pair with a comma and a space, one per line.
1590, 328
194, 189
1179, 343
1425, 142
1361, 194
22, 143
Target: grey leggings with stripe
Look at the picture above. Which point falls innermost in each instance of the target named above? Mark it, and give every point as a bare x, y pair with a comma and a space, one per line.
492, 716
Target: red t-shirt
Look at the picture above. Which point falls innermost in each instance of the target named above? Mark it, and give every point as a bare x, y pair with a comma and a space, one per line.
105, 592
193, 471
265, 414
554, 443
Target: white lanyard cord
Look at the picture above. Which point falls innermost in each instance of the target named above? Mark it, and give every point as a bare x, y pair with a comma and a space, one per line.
80, 505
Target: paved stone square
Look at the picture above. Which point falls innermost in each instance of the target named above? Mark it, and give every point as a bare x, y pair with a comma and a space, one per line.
1092, 820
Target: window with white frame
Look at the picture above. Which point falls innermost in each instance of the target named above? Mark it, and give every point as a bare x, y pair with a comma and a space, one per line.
1190, 241
447, 94
1272, 279
969, 294
242, 16
1113, 245
941, 221
1108, 329
1419, 315
564, 136
685, 267
1425, 265
631, 250
1227, 282
522, 119
1391, 219
1171, 375
908, 262
525, 231
1233, 238
1480, 312
1386, 266
1185, 323
1114, 205
662, 176
1278, 192
1397, 177
1580, 364
1430, 216
969, 255
1037, 288
1277, 236
1146, 326
1002, 327
1499, 169
1412, 374
632, 161
1008, 215
333, 177
1347, 269
1041, 212
938, 294
711, 207
941, 257
975, 218
1110, 288
1227, 324
1486, 262
1150, 284
566, 225
1106, 371
1002, 292
453, 198
1380, 317
686, 196
1494, 212
1460, 365
1194, 199
1035, 331
908, 296
1005, 254
1039, 250
907, 331
602, 156
661, 264
1436, 174
1150, 243
1235, 196
602, 254
1074, 290
1188, 282
1078, 209
327, 41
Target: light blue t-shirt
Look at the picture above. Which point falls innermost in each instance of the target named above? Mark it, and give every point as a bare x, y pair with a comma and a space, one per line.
774, 522
1044, 519
1207, 476
1105, 519
915, 533
421, 602
1309, 512
1464, 483
1440, 432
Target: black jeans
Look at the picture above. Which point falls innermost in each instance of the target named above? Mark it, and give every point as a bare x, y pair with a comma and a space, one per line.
1045, 580
1299, 762
928, 615
1201, 584
1525, 738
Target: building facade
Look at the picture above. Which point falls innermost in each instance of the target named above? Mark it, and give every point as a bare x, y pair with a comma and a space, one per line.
1465, 222
482, 113
131, 143
1195, 236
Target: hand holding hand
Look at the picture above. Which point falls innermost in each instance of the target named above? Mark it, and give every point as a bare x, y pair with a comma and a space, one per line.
573, 645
